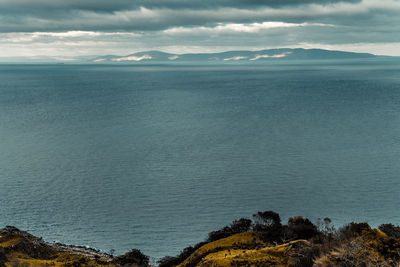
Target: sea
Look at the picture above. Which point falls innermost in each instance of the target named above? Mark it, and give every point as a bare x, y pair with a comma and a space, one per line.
154, 157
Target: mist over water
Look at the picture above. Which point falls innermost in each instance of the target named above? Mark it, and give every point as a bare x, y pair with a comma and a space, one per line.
155, 157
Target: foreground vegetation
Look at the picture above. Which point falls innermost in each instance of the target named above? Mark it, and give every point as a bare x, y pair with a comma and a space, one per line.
19, 248
263, 241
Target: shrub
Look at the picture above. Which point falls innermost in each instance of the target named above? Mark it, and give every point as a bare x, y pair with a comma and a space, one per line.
325, 226
267, 218
354, 254
219, 234
304, 257
134, 256
168, 261
268, 223
240, 226
390, 230
3, 257
301, 228
236, 227
353, 229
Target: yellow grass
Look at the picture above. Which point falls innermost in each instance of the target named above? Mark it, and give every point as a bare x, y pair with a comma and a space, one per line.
228, 252
61, 258
10, 242
224, 243
64, 258
273, 256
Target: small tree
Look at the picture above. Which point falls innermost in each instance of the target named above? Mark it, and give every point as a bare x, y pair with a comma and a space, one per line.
325, 226
267, 219
242, 225
268, 223
301, 228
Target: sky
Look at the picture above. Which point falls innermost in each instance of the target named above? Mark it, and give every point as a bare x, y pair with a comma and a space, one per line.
66, 28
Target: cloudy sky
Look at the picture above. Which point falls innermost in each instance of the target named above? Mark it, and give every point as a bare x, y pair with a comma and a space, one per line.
98, 27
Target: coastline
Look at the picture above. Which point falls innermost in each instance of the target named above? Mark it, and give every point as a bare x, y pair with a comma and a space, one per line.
263, 241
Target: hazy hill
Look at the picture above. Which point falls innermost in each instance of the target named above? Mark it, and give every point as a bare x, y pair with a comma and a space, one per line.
228, 57
233, 56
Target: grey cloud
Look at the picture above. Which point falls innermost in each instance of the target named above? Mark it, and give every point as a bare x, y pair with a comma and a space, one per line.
14, 14
346, 22
144, 19
27, 6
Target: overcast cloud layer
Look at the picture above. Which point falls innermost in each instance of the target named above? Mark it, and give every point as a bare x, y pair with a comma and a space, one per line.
93, 27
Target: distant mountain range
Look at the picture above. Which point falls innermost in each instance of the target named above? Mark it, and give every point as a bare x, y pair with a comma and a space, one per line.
233, 56
229, 57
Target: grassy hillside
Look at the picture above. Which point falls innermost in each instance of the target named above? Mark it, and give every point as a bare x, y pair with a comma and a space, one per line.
299, 243
371, 248
19, 248
263, 241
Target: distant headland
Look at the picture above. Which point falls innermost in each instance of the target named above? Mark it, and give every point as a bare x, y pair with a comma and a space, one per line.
234, 56
226, 57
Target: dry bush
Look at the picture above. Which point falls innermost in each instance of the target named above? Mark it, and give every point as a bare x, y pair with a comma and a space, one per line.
354, 254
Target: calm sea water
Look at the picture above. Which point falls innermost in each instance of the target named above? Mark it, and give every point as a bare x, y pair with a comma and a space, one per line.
155, 157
